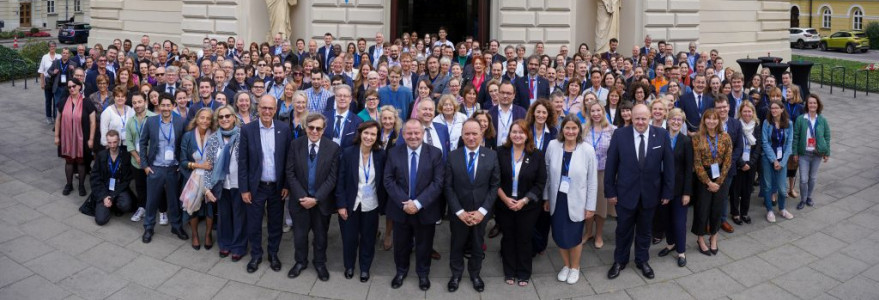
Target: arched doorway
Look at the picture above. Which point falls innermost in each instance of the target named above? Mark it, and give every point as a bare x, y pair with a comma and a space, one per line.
460, 18
794, 16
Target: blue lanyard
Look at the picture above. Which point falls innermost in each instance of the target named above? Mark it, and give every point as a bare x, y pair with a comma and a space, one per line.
779, 135
122, 115
515, 160
566, 165
567, 106
582, 118
138, 126
609, 119
538, 142
789, 109
368, 166
114, 166
812, 126
170, 133
711, 146
296, 132
674, 141
469, 112
594, 141
199, 150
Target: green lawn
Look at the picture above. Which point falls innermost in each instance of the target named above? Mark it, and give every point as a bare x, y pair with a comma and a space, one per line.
849, 80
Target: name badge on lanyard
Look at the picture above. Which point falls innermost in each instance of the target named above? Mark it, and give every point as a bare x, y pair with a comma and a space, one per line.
746, 152
715, 167
367, 192
114, 166
779, 151
566, 180
810, 142
63, 78
169, 149
515, 192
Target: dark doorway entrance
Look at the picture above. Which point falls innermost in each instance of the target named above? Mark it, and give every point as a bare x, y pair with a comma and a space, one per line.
794, 16
460, 18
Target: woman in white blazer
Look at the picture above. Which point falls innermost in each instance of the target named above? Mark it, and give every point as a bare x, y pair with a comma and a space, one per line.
571, 191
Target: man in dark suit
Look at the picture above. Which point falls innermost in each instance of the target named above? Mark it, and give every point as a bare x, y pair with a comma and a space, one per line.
171, 84
413, 179
639, 172
738, 93
161, 139
311, 175
276, 48
503, 115
261, 180
472, 178
91, 76
378, 50
695, 103
435, 134
60, 71
343, 125
734, 128
325, 53
612, 52
531, 87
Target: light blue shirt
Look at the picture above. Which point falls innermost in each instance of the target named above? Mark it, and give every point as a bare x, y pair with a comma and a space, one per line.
165, 130
267, 140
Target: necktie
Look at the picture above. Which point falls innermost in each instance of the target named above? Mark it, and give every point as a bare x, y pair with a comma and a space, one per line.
642, 150
471, 170
429, 136
313, 153
531, 88
412, 166
700, 104
337, 132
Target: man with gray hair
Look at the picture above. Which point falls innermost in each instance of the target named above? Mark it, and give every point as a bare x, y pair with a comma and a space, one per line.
171, 84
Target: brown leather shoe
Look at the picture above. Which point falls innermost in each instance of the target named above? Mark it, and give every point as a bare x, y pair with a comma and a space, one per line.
726, 227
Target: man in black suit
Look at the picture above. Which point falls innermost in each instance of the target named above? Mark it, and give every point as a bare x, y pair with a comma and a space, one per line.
695, 103
531, 87
503, 114
472, 176
311, 175
343, 121
639, 172
160, 141
172, 84
261, 178
413, 178
734, 128
325, 53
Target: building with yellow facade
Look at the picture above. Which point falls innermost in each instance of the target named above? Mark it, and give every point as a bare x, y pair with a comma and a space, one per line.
829, 16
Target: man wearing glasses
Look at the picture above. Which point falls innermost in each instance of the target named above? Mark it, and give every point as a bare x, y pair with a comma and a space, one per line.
91, 76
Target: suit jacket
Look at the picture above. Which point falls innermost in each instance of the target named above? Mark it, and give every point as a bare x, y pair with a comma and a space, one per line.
91, 83
348, 180
440, 83
683, 154
71, 65
372, 54
100, 176
428, 185
349, 129
163, 87
734, 129
442, 133
460, 193
532, 177
733, 106
150, 136
522, 88
691, 108
250, 155
188, 147
518, 113
324, 175
324, 58
624, 177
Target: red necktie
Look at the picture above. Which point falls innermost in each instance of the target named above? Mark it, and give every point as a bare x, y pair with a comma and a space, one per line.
531, 88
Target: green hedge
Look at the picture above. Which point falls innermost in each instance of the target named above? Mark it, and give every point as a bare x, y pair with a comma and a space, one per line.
11, 65
872, 32
850, 75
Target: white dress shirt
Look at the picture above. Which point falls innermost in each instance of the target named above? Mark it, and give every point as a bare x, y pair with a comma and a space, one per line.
638, 141
362, 169
505, 120
267, 141
475, 167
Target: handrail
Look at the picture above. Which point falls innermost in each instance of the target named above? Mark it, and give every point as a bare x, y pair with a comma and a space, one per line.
833, 72
866, 85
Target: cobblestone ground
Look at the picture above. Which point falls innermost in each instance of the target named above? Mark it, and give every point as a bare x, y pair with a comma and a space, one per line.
48, 250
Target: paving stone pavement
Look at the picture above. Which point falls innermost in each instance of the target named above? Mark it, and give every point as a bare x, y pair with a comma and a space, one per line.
48, 250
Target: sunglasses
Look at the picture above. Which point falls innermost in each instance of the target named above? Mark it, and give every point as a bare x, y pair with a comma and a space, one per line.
315, 128
297, 73
226, 116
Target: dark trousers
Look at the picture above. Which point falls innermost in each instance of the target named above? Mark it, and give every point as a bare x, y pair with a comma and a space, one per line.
708, 208
423, 234
140, 188
661, 221
675, 224
470, 237
633, 225
541, 231
516, 243
61, 93
231, 222
305, 221
50, 99
265, 200
358, 238
122, 203
163, 180
741, 190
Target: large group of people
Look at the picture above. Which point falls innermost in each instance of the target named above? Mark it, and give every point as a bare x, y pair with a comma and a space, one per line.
422, 130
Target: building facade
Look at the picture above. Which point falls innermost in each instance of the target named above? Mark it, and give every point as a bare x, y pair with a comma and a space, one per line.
829, 16
25, 14
736, 28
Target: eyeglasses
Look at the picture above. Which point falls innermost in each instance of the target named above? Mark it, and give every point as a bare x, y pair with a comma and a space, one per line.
371, 98
259, 86
160, 74
297, 73
71, 86
267, 108
261, 65
315, 128
226, 116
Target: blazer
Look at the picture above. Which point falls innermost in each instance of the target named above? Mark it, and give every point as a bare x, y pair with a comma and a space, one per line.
348, 180
428, 185
522, 87
324, 175
442, 133
688, 104
91, 81
149, 139
624, 177
440, 83
100, 176
162, 87
532, 177
547, 137
583, 172
250, 155
349, 129
801, 133
766, 141
188, 148
71, 65
324, 58
734, 129
518, 113
683, 155
460, 192
372, 54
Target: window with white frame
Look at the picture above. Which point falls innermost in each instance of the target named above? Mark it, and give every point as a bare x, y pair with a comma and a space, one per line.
857, 19
50, 6
825, 18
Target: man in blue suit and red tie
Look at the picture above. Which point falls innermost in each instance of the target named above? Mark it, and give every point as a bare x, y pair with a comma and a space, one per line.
414, 180
341, 122
639, 175
531, 87
261, 180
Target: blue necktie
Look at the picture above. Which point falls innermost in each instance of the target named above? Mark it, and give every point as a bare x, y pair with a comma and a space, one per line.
412, 166
337, 132
471, 170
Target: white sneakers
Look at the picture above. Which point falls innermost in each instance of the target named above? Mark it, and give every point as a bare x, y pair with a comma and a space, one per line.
786, 214
770, 216
571, 276
163, 219
138, 215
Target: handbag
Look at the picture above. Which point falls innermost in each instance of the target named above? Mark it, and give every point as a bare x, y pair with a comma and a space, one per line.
193, 192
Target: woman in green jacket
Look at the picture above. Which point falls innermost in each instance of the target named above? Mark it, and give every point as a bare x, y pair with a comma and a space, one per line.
811, 146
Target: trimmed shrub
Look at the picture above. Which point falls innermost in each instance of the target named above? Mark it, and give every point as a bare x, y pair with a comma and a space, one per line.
11, 65
872, 32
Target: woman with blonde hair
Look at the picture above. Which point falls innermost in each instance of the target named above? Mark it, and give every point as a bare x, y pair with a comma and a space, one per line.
793, 103
221, 183
448, 114
192, 159
598, 132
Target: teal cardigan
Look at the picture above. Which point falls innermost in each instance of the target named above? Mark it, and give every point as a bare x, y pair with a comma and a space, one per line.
822, 135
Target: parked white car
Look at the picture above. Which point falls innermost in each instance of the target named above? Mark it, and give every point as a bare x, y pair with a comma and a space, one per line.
804, 37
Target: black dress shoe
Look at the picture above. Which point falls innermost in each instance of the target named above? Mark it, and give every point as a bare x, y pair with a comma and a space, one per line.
664, 252
364, 276
67, 189
682, 261
253, 265
274, 262
645, 269
423, 283
706, 252
478, 284
397, 282
196, 247
453, 283
737, 220
322, 273
82, 192
180, 233
147, 236
349, 273
714, 251
615, 270
296, 270
746, 219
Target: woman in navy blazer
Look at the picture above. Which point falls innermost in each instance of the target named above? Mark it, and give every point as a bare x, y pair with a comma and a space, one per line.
675, 223
192, 158
359, 195
517, 213
542, 119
